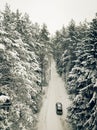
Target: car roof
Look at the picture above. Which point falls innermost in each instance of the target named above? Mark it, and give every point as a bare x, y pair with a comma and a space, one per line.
59, 104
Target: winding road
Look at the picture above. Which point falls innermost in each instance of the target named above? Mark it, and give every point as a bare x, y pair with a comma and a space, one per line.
48, 119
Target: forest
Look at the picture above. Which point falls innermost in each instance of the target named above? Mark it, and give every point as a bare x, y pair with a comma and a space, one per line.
25, 51
23, 69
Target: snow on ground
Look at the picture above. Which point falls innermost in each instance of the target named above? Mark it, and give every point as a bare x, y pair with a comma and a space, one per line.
48, 119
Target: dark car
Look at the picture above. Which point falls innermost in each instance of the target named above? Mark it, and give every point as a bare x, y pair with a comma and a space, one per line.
59, 109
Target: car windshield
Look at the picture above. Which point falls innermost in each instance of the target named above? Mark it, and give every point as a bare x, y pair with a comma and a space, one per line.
59, 105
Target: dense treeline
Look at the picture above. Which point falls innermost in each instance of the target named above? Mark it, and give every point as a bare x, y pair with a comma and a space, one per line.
24, 56
75, 52
24, 59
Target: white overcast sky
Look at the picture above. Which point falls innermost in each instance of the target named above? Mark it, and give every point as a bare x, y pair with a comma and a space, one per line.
55, 13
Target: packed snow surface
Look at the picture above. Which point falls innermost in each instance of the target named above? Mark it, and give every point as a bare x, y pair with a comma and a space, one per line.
48, 119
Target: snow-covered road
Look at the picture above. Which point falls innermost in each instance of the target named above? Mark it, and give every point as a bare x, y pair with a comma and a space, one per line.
48, 119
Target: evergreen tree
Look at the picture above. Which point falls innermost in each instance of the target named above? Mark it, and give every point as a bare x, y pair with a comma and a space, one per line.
83, 82
44, 52
20, 70
7, 18
44, 34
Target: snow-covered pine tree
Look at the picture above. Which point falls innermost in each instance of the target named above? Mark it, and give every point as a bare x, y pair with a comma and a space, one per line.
6, 18
81, 33
84, 104
57, 50
69, 43
43, 53
20, 71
